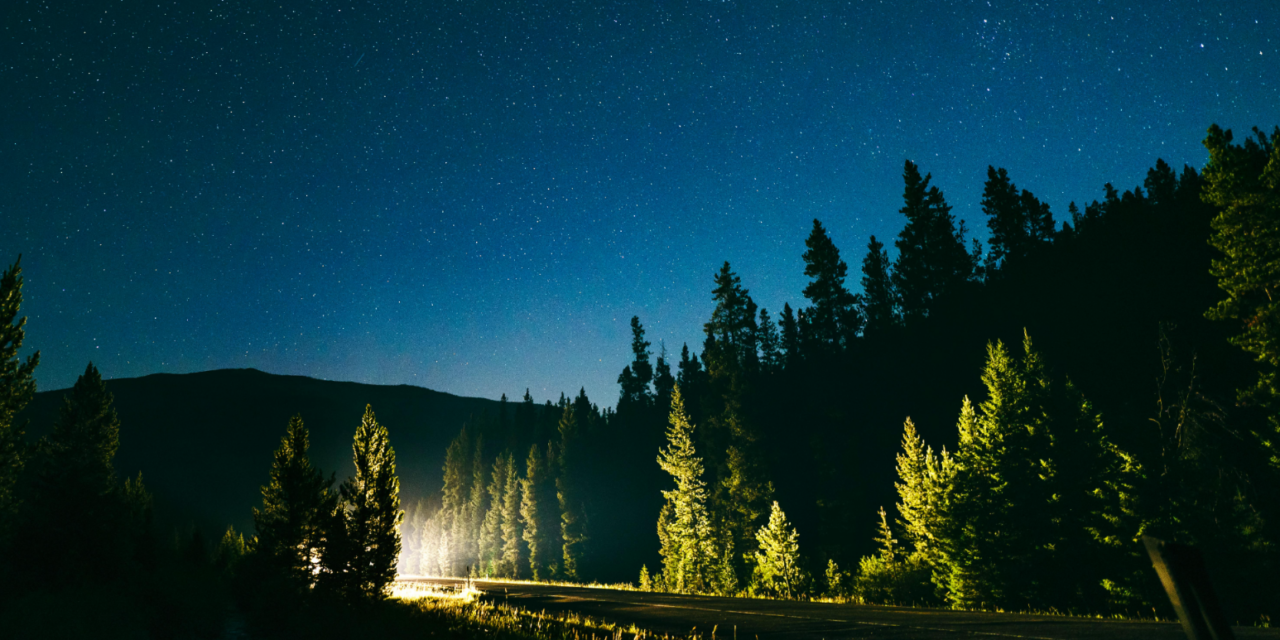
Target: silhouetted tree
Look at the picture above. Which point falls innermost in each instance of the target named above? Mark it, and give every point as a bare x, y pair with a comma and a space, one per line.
878, 299
295, 502
833, 319
932, 258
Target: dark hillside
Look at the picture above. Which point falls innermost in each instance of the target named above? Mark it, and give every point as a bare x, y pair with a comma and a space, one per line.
203, 441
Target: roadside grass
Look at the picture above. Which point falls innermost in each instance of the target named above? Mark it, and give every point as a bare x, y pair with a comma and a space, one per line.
460, 613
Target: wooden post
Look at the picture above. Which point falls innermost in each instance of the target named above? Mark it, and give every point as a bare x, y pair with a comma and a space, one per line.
1181, 570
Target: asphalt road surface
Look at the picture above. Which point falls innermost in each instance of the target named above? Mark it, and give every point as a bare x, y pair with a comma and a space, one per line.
744, 619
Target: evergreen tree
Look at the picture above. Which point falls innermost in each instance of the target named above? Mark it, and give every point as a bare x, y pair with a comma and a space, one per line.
790, 335
476, 507
17, 387
1244, 181
636, 376
1019, 223
878, 297
833, 319
569, 494
777, 569
923, 482
689, 552
733, 322
491, 529
538, 508
770, 344
663, 381
513, 545
295, 502
932, 258
371, 514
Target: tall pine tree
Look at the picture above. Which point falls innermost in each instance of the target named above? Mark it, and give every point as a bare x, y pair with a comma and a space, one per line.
296, 501
878, 300
932, 258
684, 526
371, 515
833, 319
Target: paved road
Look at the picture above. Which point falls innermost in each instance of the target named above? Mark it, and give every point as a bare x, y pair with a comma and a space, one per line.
774, 620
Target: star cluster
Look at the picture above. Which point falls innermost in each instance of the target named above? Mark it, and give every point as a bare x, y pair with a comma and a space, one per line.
477, 196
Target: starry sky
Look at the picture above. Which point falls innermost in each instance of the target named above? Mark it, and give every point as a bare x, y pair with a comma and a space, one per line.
477, 196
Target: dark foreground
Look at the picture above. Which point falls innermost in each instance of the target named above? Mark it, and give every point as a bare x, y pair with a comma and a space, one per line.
770, 619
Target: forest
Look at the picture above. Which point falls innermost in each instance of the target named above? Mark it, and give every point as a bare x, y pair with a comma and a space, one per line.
979, 427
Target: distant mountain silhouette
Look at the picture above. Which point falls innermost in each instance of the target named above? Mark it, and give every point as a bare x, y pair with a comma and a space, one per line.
204, 441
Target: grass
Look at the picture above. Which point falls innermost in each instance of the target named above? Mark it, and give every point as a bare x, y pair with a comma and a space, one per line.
462, 614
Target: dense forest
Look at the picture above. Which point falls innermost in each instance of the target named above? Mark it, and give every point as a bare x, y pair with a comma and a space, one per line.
980, 427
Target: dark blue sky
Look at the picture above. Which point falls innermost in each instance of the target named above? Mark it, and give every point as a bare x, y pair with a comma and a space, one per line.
477, 196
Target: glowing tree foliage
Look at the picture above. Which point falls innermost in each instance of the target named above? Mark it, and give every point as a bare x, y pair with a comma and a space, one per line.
513, 545
538, 507
1244, 180
370, 515
777, 563
569, 496
491, 529
17, 387
295, 502
684, 526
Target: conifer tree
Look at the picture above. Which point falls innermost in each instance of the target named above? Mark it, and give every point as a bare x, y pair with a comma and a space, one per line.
1244, 181
476, 507
569, 495
732, 323
770, 344
833, 319
663, 381
636, 376
923, 482
491, 529
538, 508
790, 336
878, 298
17, 387
689, 553
295, 502
371, 514
513, 545
777, 563
932, 258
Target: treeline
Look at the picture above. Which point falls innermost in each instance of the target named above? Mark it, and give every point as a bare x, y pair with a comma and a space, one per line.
80, 556
1125, 418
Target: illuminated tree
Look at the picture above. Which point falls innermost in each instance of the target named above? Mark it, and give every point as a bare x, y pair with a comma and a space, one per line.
833, 319
1244, 181
923, 482
688, 550
777, 563
295, 501
17, 387
932, 258
538, 507
569, 495
513, 545
491, 529
370, 514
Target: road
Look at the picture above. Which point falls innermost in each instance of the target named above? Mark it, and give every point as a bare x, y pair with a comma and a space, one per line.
770, 619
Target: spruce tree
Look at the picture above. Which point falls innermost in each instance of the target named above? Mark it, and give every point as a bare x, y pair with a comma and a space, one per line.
295, 502
569, 494
689, 552
538, 508
733, 322
777, 563
770, 344
833, 317
932, 258
513, 544
923, 482
17, 387
491, 529
663, 381
1244, 181
637, 375
372, 515
789, 330
878, 298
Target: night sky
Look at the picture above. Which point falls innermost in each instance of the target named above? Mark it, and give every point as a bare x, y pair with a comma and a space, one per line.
476, 197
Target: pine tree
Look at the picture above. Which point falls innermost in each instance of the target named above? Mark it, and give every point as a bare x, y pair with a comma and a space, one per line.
569, 495
689, 553
923, 482
17, 388
790, 335
513, 545
833, 319
538, 508
372, 515
770, 344
476, 507
932, 258
663, 381
878, 297
636, 376
491, 530
1244, 181
295, 502
777, 569
733, 322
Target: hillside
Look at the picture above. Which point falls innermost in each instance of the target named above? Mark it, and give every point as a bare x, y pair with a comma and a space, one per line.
203, 441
